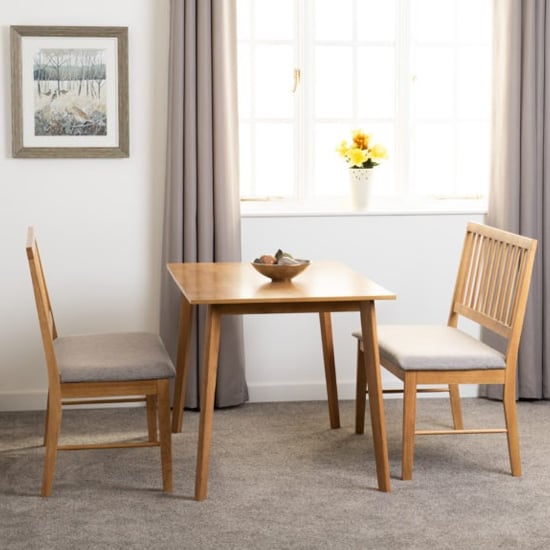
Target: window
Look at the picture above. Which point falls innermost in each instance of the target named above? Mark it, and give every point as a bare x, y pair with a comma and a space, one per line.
414, 73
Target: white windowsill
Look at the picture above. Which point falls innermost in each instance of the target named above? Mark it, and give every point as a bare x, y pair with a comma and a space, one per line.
379, 206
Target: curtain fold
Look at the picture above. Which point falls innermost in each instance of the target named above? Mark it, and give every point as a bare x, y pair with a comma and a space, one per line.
201, 212
520, 175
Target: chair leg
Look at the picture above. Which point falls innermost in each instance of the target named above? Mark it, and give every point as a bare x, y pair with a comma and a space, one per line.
409, 424
151, 401
456, 409
165, 435
360, 392
46, 419
51, 438
510, 415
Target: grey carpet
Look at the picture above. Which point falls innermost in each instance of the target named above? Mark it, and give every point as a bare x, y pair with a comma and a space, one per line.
279, 478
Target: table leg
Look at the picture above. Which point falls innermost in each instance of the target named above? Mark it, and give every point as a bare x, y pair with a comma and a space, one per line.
330, 371
360, 391
212, 346
374, 386
182, 366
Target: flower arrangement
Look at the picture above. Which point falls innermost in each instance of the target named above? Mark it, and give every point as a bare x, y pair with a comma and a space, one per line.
361, 153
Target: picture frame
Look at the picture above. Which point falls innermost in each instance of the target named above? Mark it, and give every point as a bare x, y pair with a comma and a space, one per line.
69, 92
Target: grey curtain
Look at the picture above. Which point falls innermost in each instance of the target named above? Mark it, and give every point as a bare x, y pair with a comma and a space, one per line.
520, 193
201, 213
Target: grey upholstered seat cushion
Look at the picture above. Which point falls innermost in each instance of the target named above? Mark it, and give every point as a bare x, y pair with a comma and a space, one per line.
112, 357
434, 347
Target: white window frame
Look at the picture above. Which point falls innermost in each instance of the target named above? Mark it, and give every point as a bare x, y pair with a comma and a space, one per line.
402, 199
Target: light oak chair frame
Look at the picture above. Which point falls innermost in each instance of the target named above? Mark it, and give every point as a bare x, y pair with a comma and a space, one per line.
491, 289
154, 392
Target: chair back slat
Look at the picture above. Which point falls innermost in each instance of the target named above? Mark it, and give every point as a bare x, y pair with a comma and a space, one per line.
46, 318
493, 280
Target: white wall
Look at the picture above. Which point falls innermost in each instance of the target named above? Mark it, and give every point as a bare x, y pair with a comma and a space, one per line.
98, 221
99, 228
415, 256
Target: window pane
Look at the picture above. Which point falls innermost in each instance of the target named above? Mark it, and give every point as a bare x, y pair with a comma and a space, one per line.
433, 159
244, 19
273, 20
433, 20
333, 20
376, 86
473, 150
330, 171
273, 72
244, 80
376, 20
473, 82
478, 28
333, 81
245, 156
274, 160
434, 88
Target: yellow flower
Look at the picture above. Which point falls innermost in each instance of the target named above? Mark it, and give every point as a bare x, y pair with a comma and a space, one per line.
378, 152
360, 139
342, 149
357, 157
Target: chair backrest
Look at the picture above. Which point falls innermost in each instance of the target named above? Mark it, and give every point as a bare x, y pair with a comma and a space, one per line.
46, 319
493, 281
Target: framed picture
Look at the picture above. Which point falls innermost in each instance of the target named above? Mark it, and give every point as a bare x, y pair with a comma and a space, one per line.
69, 91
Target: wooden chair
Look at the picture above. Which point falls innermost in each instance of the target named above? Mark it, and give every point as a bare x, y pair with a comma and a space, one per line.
491, 290
100, 368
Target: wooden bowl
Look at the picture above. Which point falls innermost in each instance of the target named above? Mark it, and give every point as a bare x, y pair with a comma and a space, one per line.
281, 272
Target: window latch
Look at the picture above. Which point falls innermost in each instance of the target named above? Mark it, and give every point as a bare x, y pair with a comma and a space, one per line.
297, 77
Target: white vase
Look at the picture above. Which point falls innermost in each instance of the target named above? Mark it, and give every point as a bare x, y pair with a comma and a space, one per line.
361, 181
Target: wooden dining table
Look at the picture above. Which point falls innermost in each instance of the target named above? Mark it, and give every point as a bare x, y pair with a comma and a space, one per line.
235, 288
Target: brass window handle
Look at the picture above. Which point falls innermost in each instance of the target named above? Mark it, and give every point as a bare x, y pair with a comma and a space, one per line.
297, 78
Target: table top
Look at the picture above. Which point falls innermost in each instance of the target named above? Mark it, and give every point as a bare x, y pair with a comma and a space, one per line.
240, 283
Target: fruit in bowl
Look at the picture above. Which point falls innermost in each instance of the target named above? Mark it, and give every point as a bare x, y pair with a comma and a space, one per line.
279, 267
